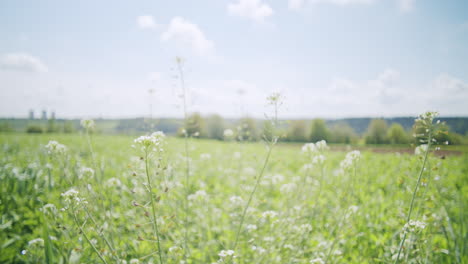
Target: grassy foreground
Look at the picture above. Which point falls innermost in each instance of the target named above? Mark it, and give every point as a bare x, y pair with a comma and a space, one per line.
97, 201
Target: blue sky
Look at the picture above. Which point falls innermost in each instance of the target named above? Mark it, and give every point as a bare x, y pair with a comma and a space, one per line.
330, 58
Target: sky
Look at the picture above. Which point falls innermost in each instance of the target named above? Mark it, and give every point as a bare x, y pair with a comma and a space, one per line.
328, 58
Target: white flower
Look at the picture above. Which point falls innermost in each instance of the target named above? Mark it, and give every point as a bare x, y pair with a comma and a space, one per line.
237, 155
251, 227
319, 159
72, 196
236, 200
269, 214
260, 250
86, 172
134, 261
421, 149
351, 159
288, 187
226, 253
114, 182
309, 147
319, 146
88, 124
153, 142
414, 226
198, 195
317, 260
38, 241
53, 147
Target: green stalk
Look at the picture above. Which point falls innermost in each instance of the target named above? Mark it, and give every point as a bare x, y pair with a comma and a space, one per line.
251, 196
187, 172
414, 195
86, 236
155, 222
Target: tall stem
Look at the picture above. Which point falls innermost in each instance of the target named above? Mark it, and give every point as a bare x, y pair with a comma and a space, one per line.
251, 196
414, 196
153, 208
75, 218
187, 162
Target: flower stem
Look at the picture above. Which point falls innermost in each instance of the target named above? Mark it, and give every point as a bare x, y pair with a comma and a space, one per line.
153, 208
414, 196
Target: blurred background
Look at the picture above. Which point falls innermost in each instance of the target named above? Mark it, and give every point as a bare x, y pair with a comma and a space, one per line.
349, 70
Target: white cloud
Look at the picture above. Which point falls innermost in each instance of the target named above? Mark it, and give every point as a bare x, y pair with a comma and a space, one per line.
187, 34
146, 22
297, 4
406, 5
251, 9
22, 62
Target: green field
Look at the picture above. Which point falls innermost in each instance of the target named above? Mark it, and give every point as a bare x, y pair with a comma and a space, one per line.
322, 213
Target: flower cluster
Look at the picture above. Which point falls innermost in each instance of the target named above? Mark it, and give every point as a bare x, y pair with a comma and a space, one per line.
226, 254
350, 160
71, 196
315, 152
55, 148
318, 147
414, 226
153, 142
421, 149
86, 172
87, 124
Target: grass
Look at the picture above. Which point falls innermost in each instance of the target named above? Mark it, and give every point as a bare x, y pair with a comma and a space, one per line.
297, 215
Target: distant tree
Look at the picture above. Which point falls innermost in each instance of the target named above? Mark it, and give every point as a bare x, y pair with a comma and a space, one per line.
343, 133
195, 125
297, 131
34, 129
319, 131
68, 127
247, 129
52, 126
397, 134
376, 132
6, 127
215, 127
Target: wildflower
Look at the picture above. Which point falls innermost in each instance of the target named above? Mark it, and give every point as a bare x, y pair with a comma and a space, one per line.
251, 227
421, 149
414, 226
153, 142
350, 159
319, 159
226, 253
72, 196
53, 147
269, 214
236, 200
38, 241
88, 124
134, 261
114, 182
288, 187
198, 195
86, 172
275, 99
318, 147
317, 260
260, 250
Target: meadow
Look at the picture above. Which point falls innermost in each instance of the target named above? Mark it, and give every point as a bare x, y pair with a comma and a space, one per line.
86, 198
